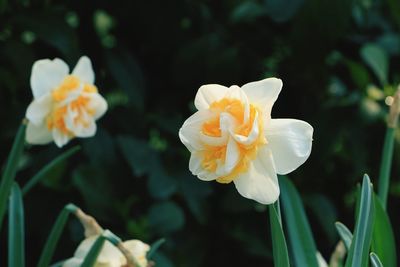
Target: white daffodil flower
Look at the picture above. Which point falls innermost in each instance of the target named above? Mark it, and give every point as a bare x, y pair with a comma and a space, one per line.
233, 138
64, 105
109, 256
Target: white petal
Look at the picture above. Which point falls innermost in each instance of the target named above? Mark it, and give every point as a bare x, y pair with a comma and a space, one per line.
260, 182
80, 123
290, 142
321, 261
138, 250
60, 138
73, 262
253, 135
47, 75
84, 70
97, 104
235, 92
226, 123
191, 128
108, 253
232, 156
197, 170
39, 109
263, 93
38, 134
208, 94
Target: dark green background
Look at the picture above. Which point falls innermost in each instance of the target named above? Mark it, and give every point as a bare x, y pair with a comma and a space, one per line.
150, 57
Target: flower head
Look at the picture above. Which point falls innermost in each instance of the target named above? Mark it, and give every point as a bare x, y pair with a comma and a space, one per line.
232, 138
109, 256
64, 105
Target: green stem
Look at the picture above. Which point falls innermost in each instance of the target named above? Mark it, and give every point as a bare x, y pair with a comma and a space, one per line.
16, 231
55, 234
11, 170
279, 247
386, 163
46, 169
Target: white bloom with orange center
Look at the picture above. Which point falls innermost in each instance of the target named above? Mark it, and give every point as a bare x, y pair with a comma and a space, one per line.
109, 256
64, 105
233, 138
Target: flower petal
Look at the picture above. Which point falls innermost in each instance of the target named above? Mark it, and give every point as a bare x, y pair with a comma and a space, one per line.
80, 123
263, 93
39, 109
196, 168
38, 134
138, 250
232, 156
46, 75
84, 70
60, 138
97, 105
253, 135
290, 141
208, 94
260, 182
235, 92
190, 131
73, 262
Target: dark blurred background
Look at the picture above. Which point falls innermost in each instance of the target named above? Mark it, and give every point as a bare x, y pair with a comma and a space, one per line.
339, 60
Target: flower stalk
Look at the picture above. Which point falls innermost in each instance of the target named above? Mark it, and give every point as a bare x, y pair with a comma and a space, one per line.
387, 153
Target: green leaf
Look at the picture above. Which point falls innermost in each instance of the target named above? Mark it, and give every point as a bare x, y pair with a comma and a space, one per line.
386, 165
383, 243
375, 261
166, 217
281, 257
344, 234
54, 235
94, 252
360, 245
377, 59
282, 10
48, 168
154, 247
16, 232
301, 240
11, 170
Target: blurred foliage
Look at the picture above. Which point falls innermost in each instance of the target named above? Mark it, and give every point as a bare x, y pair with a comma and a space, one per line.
339, 61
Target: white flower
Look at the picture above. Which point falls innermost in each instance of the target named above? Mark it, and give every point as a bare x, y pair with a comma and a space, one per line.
64, 105
233, 138
109, 256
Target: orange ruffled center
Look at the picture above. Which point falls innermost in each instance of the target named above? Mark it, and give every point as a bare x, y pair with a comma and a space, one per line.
214, 155
70, 85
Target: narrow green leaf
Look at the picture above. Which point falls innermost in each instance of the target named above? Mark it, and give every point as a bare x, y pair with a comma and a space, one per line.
386, 164
344, 234
16, 232
54, 236
48, 168
280, 252
377, 59
154, 247
94, 252
301, 240
383, 243
11, 169
360, 245
375, 261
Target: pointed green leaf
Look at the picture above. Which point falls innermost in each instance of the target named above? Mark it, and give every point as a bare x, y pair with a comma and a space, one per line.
377, 59
154, 247
48, 168
360, 245
11, 169
301, 240
280, 252
16, 232
383, 243
344, 234
55, 234
375, 261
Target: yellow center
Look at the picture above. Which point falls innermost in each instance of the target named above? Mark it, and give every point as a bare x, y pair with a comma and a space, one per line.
56, 117
213, 155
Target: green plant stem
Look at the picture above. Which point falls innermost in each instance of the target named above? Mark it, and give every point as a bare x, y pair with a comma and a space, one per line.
16, 231
55, 234
11, 170
386, 163
46, 169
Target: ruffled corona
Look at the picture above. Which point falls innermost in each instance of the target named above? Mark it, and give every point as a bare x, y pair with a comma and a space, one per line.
233, 138
64, 105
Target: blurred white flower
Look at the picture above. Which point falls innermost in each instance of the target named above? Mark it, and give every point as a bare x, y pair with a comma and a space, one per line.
109, 256
233, 138
64, 105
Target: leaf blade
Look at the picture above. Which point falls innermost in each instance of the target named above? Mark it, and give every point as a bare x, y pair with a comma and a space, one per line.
16, 234
344, 234
279, 247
